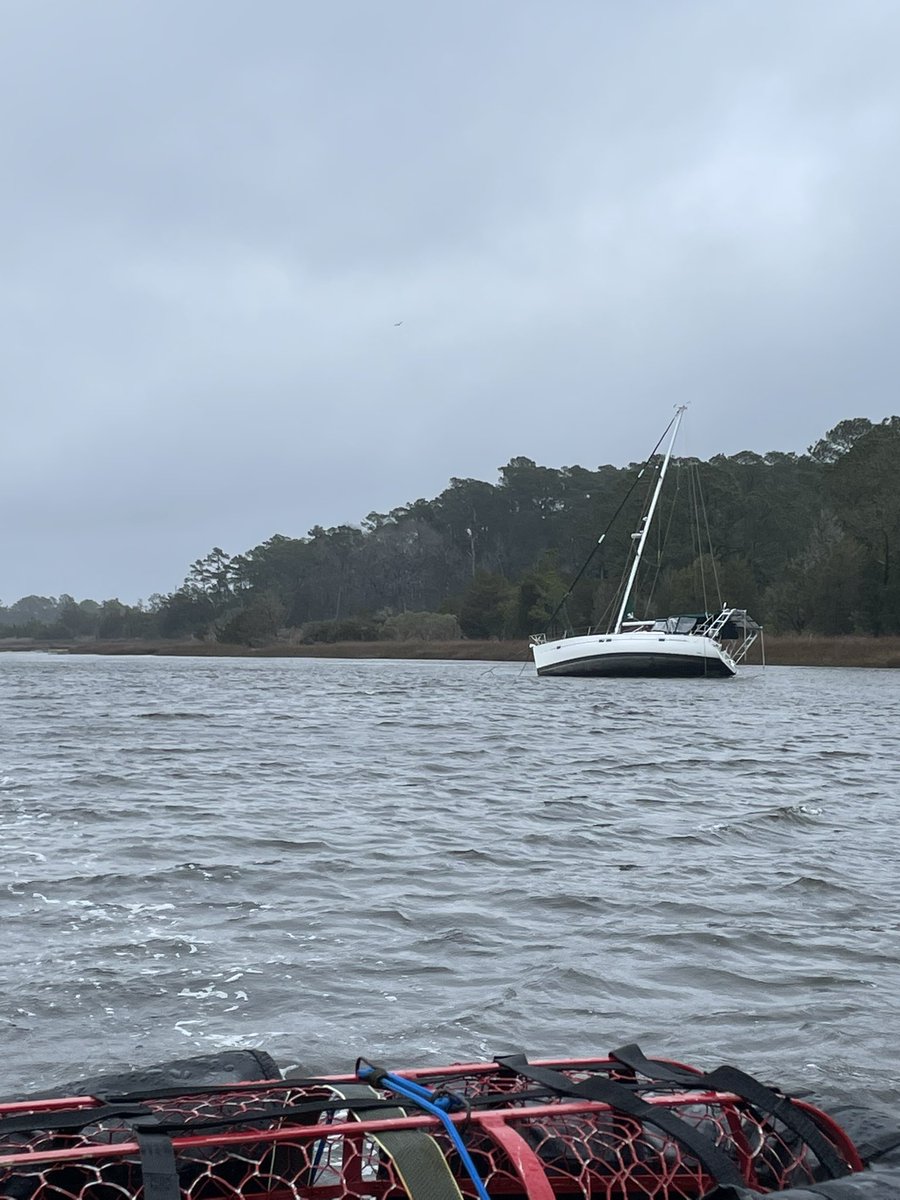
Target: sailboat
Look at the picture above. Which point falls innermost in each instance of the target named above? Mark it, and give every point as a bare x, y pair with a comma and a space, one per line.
692, 644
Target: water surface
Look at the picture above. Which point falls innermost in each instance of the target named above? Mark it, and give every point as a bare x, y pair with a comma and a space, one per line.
426, 861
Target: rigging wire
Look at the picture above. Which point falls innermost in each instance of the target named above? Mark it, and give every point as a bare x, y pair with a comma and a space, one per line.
697, 537
605, 618
661, 544
609, 526
623, 580
712, 556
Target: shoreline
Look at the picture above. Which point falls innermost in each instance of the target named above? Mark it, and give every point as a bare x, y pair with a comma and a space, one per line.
779, 651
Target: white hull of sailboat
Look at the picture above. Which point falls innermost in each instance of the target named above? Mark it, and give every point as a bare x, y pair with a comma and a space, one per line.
623, 654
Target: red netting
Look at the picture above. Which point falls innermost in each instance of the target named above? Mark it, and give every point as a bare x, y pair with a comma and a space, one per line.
524, 1144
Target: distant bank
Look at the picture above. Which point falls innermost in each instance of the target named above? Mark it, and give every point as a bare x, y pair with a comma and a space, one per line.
779, 651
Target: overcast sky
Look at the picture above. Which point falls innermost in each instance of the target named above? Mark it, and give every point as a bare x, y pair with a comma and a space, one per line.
215, 213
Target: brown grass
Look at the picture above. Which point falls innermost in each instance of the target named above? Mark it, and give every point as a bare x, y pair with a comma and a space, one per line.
513, 651
779, 651
831, 652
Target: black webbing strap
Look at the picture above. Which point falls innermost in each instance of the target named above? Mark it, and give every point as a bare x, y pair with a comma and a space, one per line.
633, 1057
70, 1118
382, 1110
765, 1099
208, 1089
158, 1169
772, 1103
715, 1162
80, 1118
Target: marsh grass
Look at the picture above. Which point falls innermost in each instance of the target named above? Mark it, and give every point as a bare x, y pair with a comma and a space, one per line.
779, 651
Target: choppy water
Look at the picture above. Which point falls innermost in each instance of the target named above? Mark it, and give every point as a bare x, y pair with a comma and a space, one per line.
425, 862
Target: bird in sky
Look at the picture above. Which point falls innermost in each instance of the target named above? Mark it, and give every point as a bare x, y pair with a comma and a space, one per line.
396, 323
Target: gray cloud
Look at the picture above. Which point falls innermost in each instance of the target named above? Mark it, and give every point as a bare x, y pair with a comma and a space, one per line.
215, 213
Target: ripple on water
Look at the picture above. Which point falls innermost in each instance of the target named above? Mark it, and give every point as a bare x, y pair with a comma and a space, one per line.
435, 861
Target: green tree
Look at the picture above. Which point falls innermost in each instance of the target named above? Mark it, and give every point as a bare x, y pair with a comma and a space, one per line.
471, 517
839, 441
487, 606
189, 612
112, 620
216, 577
256, 624
76, 620
277, 566
539, 594
862, 485
42, 610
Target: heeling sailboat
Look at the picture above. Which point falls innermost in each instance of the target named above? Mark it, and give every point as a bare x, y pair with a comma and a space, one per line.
704, 644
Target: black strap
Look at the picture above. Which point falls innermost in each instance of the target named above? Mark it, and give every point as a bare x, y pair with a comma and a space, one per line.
716, 1163
379, 1109
79, 1118
634, 1058
765, 1099
158, 1169
508, 1099
730, 1079
210, 1089
70, 1118
310, 1108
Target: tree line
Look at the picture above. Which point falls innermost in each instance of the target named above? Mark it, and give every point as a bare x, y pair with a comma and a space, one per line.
808, 543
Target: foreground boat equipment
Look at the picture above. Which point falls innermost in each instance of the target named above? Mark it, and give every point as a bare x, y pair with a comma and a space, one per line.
614, 1128
438, 1104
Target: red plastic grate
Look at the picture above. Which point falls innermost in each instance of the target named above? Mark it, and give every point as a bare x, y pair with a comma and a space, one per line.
523, 1145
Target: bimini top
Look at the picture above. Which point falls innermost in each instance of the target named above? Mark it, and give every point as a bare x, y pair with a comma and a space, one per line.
732, 623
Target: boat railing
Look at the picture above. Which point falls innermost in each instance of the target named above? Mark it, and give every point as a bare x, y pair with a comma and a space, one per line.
740, 653
737, 646
712, 627
539, 639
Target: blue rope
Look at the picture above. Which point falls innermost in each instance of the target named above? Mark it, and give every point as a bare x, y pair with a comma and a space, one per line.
435, 1106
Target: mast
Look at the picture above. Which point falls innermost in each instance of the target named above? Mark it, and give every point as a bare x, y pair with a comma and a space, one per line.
641, 535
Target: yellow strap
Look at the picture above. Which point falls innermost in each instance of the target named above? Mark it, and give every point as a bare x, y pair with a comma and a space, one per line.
417, 1158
